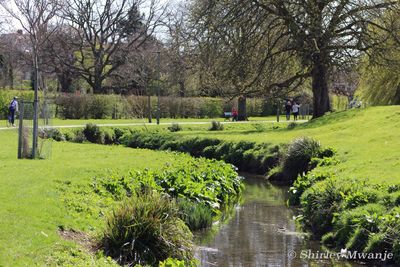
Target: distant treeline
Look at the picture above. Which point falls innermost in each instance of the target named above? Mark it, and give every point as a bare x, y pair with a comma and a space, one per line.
89, 106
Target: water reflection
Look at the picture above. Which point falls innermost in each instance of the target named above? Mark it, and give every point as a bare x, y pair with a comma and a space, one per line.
261, 233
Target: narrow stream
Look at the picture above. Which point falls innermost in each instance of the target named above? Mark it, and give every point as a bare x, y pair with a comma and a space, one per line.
261, 232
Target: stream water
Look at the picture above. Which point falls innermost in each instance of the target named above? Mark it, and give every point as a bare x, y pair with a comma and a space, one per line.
260, 232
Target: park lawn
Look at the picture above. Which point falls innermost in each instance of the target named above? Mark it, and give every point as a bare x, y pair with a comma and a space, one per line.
31, 209
61, 122
367, 140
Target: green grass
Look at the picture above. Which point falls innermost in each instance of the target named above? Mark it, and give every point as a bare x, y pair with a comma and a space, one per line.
367, 140
31, 209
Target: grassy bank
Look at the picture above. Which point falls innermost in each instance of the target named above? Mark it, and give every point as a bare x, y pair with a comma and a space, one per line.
366, 140
350, 201
367, 143
31, 210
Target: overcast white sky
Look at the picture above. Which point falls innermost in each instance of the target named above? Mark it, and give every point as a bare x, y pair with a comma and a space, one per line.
10, 24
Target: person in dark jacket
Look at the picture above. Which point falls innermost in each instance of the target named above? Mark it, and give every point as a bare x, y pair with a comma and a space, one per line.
12, 109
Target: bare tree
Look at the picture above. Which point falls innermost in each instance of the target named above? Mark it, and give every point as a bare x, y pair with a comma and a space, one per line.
106, 30
35, 17
60, 56
177, 50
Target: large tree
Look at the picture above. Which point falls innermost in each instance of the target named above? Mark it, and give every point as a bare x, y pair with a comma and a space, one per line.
241, 51
326, 33
316, 34
106, 30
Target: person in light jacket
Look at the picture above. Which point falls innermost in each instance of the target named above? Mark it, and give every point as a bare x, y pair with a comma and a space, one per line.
295, 110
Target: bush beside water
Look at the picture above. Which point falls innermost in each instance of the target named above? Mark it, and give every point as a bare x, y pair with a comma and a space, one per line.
352, 214
145, 229
150, 212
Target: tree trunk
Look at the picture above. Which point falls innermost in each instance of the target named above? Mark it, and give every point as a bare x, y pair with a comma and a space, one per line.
11, 77
321, 103
65, 82
242, 112
97, 85
182, 89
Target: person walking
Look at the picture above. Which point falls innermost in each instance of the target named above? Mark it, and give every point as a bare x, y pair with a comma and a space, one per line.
234, 114
295, 109
288, 109
12, 109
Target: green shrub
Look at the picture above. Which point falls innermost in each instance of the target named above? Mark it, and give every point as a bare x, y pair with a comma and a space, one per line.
304, 182
291, 125
78, 136
319, 162
195, 215
362, 194
394, 199
393, 188
298, 155
195, 146
93, 133
328, 239
69, 136
175, 127
211, 108
150, 140
209, 182
119, 134
101, 106
258, 127
363, 217
319, 205
52, 133
377, 243
326, 152
358, 240
247, 156
109, 137
145, 229
216, 126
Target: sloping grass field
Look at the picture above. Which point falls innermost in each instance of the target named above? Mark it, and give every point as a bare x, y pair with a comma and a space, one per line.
367, 142
30, 205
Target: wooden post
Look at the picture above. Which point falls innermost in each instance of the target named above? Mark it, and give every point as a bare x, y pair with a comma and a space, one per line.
277, 111
20, 127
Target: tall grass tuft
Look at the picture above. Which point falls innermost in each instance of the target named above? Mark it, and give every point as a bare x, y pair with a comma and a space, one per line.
216, 126
195, 215
93, 133
145, 229
298, 156
175, 127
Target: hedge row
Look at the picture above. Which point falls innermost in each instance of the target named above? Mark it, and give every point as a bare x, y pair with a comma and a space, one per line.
117, 107
86, 106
